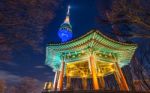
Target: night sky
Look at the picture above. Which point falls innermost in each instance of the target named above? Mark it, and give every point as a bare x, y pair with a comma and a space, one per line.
28, 63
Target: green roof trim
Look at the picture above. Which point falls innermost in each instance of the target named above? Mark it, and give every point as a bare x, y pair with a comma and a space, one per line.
94, 40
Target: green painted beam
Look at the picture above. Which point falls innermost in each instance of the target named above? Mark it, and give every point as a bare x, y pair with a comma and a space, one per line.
93, 40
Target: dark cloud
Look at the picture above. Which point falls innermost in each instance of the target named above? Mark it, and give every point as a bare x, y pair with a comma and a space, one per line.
7, 76
39, 67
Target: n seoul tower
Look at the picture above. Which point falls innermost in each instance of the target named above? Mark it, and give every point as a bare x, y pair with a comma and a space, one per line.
65, 30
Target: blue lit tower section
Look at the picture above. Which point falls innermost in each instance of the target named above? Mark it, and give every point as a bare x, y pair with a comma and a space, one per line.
65, 31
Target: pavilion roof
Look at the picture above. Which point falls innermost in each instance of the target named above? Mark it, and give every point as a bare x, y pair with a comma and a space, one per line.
93, 39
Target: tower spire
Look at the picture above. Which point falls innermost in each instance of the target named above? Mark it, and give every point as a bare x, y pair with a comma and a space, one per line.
67, 20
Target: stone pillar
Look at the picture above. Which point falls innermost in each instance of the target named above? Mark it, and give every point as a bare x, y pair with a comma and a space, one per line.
120, 78
93, 71
55, 80
102, 82
61, 77
84, 83
68, 82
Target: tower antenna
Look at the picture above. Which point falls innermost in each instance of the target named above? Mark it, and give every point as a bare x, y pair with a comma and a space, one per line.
68, 12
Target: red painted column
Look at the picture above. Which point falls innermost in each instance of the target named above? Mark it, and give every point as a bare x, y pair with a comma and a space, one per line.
93, 71
68, 82
61, 77
84, 83
121, 79
102, 82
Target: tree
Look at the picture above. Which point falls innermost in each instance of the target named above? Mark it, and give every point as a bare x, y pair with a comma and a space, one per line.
21, 24
28, 85
2, 86
11, 89
135, 15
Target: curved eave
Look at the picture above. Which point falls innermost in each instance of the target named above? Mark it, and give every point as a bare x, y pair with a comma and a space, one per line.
78, 41
96, 40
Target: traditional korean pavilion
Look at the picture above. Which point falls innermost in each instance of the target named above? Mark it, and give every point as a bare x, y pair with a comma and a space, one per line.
91, 56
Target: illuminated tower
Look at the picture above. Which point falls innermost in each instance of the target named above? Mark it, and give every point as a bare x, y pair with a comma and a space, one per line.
65, 31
